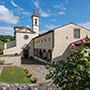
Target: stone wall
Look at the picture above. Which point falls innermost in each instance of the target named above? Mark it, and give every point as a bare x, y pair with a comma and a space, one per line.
11, 59
42, 86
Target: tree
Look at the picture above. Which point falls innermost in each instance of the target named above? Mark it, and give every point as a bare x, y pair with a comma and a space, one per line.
73, 73
3, 39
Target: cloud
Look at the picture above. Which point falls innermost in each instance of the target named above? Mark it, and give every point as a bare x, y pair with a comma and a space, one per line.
36, 4
61, 13
20, 10
60, 6
7, 16
53, 20
47, 28
51, 26
2, 2
28, 26
14, 4
66, 1
6, 30
43, 13
43, 31
86, 25
26, 13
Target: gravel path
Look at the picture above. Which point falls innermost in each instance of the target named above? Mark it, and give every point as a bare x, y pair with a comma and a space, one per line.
37, 68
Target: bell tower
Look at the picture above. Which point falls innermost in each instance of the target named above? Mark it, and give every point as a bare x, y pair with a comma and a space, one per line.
35, 21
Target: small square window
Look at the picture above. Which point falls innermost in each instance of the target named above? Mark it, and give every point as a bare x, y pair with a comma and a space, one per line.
66, 37
76, 33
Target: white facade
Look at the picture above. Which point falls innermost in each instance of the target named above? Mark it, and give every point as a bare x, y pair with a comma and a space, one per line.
58, 47
63, 37
23, 39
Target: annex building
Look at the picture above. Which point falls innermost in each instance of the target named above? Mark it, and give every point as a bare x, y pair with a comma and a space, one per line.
51, 46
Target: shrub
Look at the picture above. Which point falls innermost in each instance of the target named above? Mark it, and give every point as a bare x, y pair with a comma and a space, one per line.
31, 57
29, 75
25, 69
74, 73
48, 67
35, 80
2, 62
22, 57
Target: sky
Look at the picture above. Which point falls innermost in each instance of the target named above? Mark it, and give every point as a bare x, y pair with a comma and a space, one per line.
52, 13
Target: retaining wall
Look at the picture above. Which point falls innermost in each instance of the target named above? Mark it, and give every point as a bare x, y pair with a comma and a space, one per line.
11, 59
42, 86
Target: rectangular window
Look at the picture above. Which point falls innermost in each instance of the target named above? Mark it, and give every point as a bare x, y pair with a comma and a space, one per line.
76, 33
45, 39
49, 39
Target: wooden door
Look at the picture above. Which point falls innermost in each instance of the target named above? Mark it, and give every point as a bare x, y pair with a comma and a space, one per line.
26, 53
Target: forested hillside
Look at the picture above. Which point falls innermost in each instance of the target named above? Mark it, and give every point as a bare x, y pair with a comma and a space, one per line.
3, 39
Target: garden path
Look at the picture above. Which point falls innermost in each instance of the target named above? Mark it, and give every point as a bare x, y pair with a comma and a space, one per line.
36, 67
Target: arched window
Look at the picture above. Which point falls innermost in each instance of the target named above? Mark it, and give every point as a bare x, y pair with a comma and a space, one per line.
35, 21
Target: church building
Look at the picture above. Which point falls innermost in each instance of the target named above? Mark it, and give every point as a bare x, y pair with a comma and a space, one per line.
51, 46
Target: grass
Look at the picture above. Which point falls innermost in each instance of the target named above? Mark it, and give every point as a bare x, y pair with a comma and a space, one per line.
14, 74
1, 47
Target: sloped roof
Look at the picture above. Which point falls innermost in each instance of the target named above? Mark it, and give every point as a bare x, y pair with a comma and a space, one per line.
23, 27
73, 24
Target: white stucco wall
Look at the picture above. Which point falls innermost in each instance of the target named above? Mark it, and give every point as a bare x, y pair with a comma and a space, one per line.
20, 42
35, 27
48, 44
61, 49
10, 44
10, 51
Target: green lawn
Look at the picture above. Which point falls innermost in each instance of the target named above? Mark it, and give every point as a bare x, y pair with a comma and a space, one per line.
14, 74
